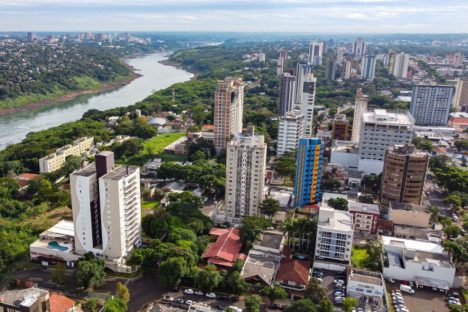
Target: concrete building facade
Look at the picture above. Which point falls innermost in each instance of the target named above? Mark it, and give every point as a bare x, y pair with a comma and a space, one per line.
460, 101
287, 93
360, 107
340, 128
289, 132
359, 47
430, 105
315, 53
307, 103
55, 161
368, 67
228, 110
400, 65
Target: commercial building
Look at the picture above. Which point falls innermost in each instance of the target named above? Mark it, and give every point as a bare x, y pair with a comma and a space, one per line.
106, 210
359, 47
430, 105
289, 132
331, 69
335, 233
340, 128
25, 300
228, 110
360, 107
287, 93
365, 217
422, 262
379, 130
403, 175
307, 102
460, 101
368, 67
346, 154
308, 172
411, 224
400, 65
363, 284
245, 176
315, 53
55, 161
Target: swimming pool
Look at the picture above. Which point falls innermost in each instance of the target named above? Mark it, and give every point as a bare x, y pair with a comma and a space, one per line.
55, 245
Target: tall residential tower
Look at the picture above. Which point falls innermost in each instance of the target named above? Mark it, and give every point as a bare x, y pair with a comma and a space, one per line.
430, 105
360, 107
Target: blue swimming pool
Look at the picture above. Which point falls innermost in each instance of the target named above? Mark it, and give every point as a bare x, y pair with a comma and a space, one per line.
55, 245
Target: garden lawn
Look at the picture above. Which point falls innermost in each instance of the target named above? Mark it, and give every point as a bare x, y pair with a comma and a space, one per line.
156, 144
359, 257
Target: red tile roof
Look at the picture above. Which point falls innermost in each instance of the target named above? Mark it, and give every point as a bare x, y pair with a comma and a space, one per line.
294, 271
226, 250
60, 303
459, 120
24, 178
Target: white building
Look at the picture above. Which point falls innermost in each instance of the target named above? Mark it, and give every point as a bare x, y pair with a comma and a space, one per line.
359, 47
335, 232
366, 284
360, 107
430, 105
368, 67
307, 103
106, 210
55, 161
289, 132
345, 153
422, 262
400, 67
245, 176
315, 53
379, 130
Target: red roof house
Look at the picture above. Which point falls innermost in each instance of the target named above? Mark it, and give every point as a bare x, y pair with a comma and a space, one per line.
60, 303
226, 250
24, 178
293, 274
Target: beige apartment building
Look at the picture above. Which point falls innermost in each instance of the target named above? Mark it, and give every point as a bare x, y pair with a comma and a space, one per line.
228, 110
403, 175
55, 161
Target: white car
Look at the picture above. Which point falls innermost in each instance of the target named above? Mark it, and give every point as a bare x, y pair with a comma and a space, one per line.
235, 308
406, 289
188, 291
199, 293
189, 302
211, 295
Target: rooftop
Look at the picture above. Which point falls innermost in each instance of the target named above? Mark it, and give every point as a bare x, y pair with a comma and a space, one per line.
364, 276
60, 303
120, 172
23, 297
294, 270
261, 265
418, 245
363, 207
86, 171
248, 139
410, 218
270, 239
382, 116
345, 147
64, 227
335, 220
226, 249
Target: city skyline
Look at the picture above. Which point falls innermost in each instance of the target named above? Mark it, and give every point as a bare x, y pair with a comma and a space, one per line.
330, 16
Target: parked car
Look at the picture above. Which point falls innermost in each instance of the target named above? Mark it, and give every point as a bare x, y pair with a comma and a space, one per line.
169, 298
189, 302
338, 300
179, 300
188, 291
338, 281
406, 289
198, 293
211, 295
235, 308
318, 273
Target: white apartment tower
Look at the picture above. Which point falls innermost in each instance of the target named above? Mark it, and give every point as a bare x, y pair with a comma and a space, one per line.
430, 105
301, 71
287, 93
245, 176
347, 67
228, 110
315, 53
360, 107
368, 67
460, 101
359, 47
400, 65
289, 132
379, 130
106, 210
307, 103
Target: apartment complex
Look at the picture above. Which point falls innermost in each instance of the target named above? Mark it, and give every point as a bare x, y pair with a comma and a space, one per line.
368, 67
307, 102
360, 107
106, 210
308, 172
403, 175
55, 161
315, 53
334, 239
289, 132
460, 102
287, 93
340, 128
398, 66
365, 217
331, 69
359, 47
228, 110
245, 176
379, 130
301, 71
430, 105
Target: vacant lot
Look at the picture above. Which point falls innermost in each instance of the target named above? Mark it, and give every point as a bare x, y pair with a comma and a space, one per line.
156, 144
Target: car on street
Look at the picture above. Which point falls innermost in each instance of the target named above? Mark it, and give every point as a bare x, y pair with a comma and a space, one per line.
407, 289
188, 291
210, 295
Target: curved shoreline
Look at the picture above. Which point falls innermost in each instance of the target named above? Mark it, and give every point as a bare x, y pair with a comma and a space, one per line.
109, 86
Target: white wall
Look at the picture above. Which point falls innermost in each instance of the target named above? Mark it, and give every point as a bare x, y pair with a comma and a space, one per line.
369, 166
347, 160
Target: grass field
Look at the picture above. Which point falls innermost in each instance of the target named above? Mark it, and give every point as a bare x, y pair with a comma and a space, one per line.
156, 144
359, 257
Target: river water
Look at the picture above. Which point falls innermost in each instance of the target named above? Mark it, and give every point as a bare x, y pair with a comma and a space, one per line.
154, 76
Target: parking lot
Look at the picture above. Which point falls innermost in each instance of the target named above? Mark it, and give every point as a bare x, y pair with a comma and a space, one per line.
423, 300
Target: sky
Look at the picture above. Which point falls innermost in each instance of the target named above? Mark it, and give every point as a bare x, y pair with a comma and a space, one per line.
314, 16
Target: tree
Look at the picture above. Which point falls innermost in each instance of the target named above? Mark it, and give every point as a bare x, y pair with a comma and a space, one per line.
114, 304
253, 303
457, 308
462, 145
270, 207
452, 231
171, 271
326, 305
454, 199
349, 303
338, 203
304, 305
250, 227
122, 292
315, 292
286, 165
90, 271
90, 305
198, 155
274, 293
58, 275
236, 283
208, 278
423, 144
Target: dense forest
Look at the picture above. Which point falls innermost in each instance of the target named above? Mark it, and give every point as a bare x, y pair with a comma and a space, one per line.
38, 71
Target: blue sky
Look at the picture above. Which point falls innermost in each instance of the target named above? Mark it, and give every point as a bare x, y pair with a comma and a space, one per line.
325, 16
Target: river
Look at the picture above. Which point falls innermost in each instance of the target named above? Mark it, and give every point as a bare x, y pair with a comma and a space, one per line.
154, 76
